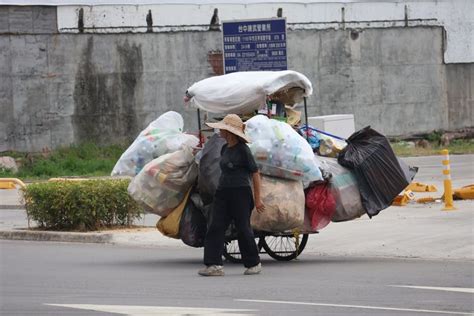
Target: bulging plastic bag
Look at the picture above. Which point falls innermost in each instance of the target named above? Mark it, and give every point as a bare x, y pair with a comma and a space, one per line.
209, 168
376, 168
280, 151
193, 225
284, 202
311, 136
320, 205
343, 185
163, 135
169, 225
330, 146
163, 182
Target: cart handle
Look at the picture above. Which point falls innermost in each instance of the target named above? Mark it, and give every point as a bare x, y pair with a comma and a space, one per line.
323, 132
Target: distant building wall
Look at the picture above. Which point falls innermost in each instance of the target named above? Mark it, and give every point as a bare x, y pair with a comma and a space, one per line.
456, 17
58, 89
460, 95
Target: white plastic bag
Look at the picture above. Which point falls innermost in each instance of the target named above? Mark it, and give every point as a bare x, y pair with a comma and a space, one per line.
343, 185
280, 151
163, 135
284, 205
163, 182
245, 92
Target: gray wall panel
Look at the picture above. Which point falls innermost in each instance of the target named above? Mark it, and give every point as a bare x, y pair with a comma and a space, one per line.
60, 89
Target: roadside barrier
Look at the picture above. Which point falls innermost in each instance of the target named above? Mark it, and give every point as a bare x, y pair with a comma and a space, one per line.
420, 187
9, 183
448, 190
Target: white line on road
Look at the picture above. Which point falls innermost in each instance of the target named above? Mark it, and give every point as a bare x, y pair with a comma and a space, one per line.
448, 289
360, 306
159, 310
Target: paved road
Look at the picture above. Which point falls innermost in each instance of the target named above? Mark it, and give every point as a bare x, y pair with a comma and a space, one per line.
47, 278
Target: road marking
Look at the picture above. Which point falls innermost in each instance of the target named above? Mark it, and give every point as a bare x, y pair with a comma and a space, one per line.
360, 306
448, 289
159, 310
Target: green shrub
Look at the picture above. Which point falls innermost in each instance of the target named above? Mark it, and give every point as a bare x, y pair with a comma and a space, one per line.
80, 205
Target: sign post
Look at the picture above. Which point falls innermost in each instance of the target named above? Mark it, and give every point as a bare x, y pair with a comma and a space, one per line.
254, 45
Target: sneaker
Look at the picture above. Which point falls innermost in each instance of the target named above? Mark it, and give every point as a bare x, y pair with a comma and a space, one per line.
254, 270
212, 271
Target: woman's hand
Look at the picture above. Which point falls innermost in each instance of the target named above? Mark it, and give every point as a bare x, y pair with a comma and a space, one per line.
256, 188
259, 206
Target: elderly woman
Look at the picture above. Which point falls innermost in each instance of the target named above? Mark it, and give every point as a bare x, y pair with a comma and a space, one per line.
233, 200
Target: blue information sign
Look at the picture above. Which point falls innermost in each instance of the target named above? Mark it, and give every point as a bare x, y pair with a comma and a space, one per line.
254, 45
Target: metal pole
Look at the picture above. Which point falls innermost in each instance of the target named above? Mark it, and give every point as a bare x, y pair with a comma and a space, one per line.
199, 127
306, 118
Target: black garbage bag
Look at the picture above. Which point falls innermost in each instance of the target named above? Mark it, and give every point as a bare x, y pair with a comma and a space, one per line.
193, 224
209, 169
377, 170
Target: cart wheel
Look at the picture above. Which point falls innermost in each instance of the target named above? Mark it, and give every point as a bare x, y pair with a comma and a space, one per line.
283, 248
232, 251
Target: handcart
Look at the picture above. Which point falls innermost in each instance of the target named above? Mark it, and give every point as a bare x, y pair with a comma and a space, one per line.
290, 88
284, 246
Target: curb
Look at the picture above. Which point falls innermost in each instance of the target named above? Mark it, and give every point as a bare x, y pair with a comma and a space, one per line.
12, 207
56, 236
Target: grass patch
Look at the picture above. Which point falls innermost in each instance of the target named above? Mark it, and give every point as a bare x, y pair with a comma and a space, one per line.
89, 160
458, 146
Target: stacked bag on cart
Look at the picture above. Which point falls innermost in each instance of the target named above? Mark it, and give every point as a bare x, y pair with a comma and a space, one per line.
162, 184
287, 161
364, 179
376, 168
280, 151
163, 135
164, 172
343, 186
284, 202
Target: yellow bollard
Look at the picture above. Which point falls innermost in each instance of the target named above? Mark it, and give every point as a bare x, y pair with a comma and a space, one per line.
448, 190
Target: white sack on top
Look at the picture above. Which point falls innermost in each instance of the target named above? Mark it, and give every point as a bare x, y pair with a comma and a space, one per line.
243, 92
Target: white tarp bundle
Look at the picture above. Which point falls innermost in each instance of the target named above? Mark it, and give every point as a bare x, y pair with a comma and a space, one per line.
245, 92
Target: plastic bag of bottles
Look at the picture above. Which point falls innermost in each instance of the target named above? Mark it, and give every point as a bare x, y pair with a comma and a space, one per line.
163, 135
280, 151
163, 182
343, 185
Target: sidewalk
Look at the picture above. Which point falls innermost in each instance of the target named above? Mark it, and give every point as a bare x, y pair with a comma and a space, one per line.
413, 231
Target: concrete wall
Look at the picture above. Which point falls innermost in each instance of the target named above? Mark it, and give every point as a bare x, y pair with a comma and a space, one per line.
58, 89
455, 16
460, 95
28, 19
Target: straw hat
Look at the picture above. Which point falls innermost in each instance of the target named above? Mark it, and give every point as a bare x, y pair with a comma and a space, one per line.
233, 124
